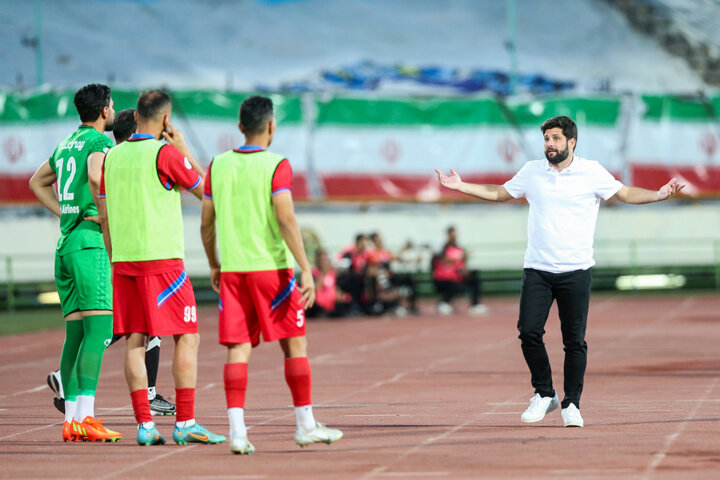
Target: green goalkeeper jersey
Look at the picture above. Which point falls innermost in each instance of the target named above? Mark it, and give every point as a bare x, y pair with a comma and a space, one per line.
69, 161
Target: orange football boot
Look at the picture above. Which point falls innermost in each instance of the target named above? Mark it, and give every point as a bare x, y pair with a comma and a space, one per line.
77, 431
95, 431
67, 432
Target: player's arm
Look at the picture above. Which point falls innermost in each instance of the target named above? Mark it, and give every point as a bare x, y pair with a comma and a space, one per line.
290, 231
176, 139
491, 193
41, 184
94, 167
101, 205
636, 195
209, 234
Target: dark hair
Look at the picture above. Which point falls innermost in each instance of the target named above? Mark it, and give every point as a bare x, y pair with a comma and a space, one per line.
359, 237
255, 113
451, 228
124, 125
566, 124
90, 101
151, 103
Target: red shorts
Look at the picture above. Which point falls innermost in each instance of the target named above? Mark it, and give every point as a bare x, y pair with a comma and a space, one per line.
255, 302
154, 304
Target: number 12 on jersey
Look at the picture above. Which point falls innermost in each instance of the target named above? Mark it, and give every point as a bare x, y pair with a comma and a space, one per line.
64, 192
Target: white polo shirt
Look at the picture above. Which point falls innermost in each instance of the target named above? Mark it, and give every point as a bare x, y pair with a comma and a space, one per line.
563, 211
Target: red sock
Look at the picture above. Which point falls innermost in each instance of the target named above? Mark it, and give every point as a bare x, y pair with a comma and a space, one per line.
298, 378
141, 406
185, 400
235, 376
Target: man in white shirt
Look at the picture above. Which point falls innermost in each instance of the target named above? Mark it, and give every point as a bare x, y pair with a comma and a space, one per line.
564, 194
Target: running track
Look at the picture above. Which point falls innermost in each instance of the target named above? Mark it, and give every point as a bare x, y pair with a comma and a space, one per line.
417, 397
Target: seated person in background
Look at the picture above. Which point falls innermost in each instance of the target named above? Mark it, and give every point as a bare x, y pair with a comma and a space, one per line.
330, 301
383, 290
409, 261
451, 277
352, 280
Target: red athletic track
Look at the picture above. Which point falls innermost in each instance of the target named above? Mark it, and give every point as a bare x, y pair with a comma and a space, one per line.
417, 397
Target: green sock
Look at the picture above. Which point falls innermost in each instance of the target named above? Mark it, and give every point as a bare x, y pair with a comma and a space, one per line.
98, 330
73, 339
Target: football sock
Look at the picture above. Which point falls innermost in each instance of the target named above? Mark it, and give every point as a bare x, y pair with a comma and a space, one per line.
85, 407
299, 379
237, 422
141, 406
152, 363
70, 409
185, 404
235, 376
97, 332
73, 340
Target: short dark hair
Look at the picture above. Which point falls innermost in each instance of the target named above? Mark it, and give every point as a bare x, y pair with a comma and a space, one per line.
151, 103
255, 113
90, 101
359, 237
566, 124
124, 125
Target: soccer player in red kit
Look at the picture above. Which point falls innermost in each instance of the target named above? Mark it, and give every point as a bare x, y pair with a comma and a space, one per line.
248, 192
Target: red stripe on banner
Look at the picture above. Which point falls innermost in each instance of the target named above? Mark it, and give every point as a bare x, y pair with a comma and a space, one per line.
424, 188
700, 181
14, 189
300, 190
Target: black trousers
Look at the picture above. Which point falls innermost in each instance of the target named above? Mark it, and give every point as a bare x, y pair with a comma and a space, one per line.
571, 290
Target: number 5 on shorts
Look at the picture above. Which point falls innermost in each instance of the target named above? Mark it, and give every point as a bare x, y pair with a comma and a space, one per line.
301, 318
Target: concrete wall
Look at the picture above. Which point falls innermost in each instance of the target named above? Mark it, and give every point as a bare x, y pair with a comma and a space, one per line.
660, 234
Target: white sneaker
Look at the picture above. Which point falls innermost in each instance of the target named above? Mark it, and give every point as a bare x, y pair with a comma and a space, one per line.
478, 309
445, 308
319, 434
571, 416
241, 446
539, 406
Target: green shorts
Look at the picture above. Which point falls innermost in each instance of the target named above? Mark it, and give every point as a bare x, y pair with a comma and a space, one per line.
83, 280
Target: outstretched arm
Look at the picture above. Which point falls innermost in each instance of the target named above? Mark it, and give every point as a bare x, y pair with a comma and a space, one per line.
290, 231
637, 195
491, 193
41, 184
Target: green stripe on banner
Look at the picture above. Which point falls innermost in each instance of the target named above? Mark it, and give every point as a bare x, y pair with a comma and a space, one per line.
463, 112
50, 106
684, 108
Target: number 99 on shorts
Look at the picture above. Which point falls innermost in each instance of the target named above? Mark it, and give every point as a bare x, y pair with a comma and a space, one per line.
190, 314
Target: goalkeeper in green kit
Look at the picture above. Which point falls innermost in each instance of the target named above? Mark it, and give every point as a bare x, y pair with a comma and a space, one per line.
82, 267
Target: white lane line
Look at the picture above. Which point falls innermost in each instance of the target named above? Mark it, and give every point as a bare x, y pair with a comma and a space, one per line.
414, 474
31, 430
382, 470
659, 456
382, 415
135, 466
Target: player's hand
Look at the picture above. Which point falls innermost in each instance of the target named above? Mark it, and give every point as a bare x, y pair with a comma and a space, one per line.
215, 279
175, 138
670, 189
93, 218
307, 291
452, 181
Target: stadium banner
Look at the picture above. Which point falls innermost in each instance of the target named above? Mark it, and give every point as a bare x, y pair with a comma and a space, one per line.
345, 148
388, 148
32, 125
676, 136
